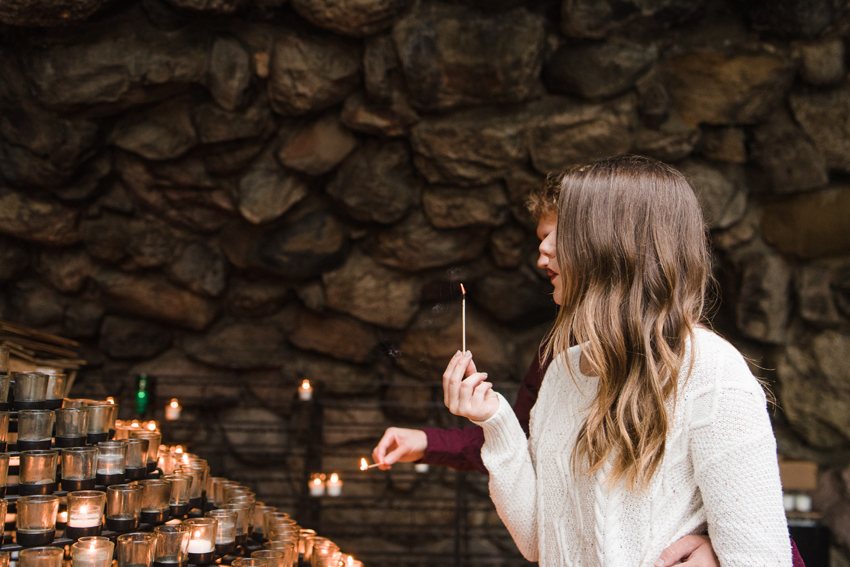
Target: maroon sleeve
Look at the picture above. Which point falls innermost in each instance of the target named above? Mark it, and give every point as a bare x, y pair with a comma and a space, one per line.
461, 448
796, 559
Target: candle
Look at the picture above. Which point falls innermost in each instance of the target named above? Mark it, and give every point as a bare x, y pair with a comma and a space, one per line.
317, 485
110, 464
334, 485
305, 391
420, 467
84, 516
172, 410
94, 553
200, 546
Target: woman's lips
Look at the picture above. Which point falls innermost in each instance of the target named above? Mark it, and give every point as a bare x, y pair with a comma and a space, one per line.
552, 275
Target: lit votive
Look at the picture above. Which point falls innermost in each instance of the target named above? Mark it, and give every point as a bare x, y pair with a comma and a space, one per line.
317, 485
305, 391
420, 467
200, 546
334, 485
85, 517
172, 410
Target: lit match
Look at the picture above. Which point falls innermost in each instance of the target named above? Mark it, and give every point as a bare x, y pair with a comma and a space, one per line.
364, 466
463, 302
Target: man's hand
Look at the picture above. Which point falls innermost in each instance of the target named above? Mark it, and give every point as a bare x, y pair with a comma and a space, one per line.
692, 550
400, 446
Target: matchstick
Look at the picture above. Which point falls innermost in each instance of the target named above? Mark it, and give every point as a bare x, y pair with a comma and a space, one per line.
463, 295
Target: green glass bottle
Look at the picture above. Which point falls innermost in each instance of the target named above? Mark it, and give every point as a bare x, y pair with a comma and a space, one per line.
142, 395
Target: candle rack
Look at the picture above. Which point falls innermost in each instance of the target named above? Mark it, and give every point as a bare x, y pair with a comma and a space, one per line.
260, 432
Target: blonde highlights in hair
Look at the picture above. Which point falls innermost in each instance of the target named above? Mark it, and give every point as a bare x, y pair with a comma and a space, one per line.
633, 256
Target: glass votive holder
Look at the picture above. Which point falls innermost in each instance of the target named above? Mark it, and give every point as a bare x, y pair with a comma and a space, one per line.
155, 439
5, 385
35, 428
172, 545
123, 507
30, 390
41, 557
219, 488
79, 466
55, 388
275, 527
273, 516
225, 537
4, 510
37, 472
4, 359
244, 517
5, 458
4, 429
111, 458
36, 520
181, 490
324, 554
135, 550
85, 513
92, 551
135, 467
71, 426
305, 543
276, 557
155, 501
249, 562
5, 558
198, 480
259, 511
202, 532
98, 422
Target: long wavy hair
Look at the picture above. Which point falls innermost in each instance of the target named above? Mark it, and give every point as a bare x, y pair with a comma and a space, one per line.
634, 261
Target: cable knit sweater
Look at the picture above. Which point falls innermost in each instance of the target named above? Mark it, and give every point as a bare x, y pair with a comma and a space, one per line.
719, 471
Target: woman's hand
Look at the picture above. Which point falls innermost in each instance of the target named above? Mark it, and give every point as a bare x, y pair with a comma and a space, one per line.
472, 398
400, 445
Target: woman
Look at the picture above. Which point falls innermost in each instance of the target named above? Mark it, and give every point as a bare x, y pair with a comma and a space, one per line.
652, 427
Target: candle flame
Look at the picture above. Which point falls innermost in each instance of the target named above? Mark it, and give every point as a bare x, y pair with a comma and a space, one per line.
363, 464
178, 449
334, 477
317, 481
152, 425
198, 534
110, 400
350, 561
135, 423
174, 403
305, 385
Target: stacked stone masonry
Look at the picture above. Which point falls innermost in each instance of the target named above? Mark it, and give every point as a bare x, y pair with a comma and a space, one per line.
263, 187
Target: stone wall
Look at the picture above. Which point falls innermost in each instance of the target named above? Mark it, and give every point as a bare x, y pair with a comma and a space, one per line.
204, 186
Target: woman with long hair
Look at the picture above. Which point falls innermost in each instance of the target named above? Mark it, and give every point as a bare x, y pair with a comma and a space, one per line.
648, 426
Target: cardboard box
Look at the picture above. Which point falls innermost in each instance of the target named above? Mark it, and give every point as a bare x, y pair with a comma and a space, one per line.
798, 475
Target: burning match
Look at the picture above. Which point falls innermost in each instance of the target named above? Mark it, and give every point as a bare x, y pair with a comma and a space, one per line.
364, 466
463, 295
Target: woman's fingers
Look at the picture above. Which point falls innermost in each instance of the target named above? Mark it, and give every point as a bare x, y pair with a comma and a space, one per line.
453, 378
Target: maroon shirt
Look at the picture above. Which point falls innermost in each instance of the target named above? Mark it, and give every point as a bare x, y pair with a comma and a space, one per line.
460, 448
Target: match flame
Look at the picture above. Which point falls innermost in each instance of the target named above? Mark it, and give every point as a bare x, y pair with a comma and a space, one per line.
363, 464
462, 289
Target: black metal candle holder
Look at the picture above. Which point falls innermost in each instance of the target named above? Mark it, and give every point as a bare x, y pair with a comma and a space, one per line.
36, 489
75, 485
34, 539
77, 533
65, 442
109, 479
122, 525
201, 558
154, 518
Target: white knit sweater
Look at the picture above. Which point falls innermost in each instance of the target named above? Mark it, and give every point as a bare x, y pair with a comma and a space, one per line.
719, 470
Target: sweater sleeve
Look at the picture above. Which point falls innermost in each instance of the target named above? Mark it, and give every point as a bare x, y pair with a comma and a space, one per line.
513, 479
458, 448
733, 451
